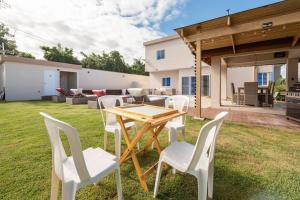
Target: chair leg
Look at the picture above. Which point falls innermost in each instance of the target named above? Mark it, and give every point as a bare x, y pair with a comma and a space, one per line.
105, 140
68, 191
54, 185
183, 133
119, 185
157, 179
210, 181
202, 185
118, 143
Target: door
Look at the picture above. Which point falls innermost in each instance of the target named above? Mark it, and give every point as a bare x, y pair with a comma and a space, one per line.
50, 82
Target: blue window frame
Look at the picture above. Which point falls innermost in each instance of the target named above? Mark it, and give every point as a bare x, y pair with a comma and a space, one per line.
160, 54
262, 79
166, 81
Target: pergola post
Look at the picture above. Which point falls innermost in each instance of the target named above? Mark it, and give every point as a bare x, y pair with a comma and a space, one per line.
198, 75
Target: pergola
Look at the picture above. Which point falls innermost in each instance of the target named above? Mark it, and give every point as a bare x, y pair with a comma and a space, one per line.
243, 38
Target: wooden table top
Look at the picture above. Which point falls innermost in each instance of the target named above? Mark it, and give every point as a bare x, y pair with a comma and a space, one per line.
146, 113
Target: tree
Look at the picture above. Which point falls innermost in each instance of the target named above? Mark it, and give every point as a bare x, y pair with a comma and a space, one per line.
138, 67
25, 55
59, 54
10, 45
112, 61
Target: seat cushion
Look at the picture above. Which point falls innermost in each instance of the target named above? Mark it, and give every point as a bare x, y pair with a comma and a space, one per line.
99, 163
178, 155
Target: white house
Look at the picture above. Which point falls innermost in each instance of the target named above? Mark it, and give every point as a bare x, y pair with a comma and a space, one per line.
171, 65
30, 79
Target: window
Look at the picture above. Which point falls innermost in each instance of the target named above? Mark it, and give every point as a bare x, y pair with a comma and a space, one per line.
262, 79
185, 85
160, 54
166, 81
193, 85
188, 86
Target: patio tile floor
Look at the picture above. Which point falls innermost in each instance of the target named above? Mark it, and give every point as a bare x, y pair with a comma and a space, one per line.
264, 119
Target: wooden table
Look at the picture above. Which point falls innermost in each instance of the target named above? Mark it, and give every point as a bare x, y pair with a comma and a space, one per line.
154, 120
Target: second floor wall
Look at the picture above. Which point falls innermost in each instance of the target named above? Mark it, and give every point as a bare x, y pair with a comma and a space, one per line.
167, 53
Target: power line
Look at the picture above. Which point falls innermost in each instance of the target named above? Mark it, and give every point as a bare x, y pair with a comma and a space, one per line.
36, 37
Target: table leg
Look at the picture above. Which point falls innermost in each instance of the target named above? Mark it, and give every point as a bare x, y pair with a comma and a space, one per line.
154, 138
130, 150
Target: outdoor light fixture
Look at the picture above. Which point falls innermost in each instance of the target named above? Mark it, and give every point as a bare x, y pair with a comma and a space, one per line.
267, 25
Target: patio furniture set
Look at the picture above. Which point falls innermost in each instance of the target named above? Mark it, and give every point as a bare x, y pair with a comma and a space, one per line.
80, 96
254, 95
93, 164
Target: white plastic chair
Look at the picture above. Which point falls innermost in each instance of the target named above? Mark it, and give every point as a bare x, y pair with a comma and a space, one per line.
197, 160
180, 103
80, 169
110, 122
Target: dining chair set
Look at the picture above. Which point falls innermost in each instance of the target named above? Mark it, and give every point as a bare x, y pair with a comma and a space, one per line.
254, 95
91, 165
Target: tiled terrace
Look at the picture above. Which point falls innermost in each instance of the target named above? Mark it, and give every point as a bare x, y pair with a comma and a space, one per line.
250, 117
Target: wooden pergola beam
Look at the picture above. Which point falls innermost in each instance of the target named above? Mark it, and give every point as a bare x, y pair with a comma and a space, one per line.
198, 69
276, 44
296, 38
245, 27
233, 43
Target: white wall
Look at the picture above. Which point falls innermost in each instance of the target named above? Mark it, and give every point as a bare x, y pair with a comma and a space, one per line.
156, 79
26, 81
177, 56
265, 69
98, 79
239, 75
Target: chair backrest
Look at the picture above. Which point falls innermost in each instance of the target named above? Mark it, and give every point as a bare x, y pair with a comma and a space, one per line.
250, 88
58, 152
232, 89
205, 145
107, 102
180, 103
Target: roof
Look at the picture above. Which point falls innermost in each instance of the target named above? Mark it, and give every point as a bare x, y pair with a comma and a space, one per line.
163, 39
271, 26
22, 60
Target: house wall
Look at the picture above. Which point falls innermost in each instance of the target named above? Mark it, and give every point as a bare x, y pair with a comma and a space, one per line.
156, 79
98, 79
239, 75
26, 81
177, 56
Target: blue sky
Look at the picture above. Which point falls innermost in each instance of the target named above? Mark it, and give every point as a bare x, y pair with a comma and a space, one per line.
194, 11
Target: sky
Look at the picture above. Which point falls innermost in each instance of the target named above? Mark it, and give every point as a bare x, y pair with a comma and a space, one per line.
105, 25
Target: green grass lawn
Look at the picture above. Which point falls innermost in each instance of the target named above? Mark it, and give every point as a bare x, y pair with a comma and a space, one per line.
251, 162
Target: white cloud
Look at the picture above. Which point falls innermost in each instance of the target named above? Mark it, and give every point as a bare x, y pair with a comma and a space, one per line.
89, 26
